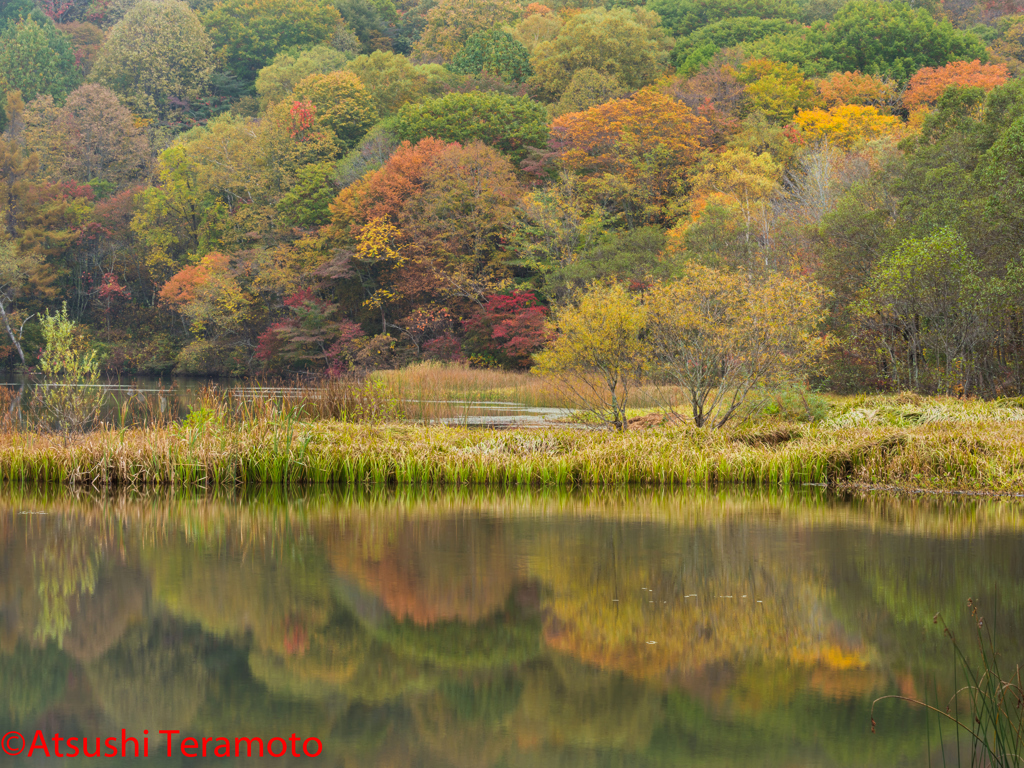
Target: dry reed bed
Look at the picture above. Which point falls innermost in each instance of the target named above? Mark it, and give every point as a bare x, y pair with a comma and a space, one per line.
938, 456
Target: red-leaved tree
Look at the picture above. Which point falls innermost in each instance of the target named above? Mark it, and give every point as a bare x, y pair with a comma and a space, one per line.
507, 329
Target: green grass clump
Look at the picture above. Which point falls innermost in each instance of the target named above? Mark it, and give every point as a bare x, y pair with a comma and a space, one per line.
285, 450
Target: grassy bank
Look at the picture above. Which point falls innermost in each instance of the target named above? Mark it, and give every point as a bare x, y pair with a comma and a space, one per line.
984, 455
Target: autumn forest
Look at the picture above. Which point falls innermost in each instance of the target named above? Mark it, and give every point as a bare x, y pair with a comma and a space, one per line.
277, 187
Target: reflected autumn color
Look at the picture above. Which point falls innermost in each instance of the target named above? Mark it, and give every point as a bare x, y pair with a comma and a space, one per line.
665, 605
641, 630
429, 571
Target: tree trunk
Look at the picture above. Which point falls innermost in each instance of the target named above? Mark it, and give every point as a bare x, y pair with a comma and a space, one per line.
10, 332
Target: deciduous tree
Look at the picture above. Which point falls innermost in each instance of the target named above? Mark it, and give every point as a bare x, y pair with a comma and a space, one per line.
510, 124
842, 88
103, 141
209, 295
895, 40
156, 57
599, 354
450, 23
777, 89
927, 302
394, 81
311, 334
17, 271
508, 329
248, 34
722, 335
372, 22
35, 58
928, 83
847, 125
634, 152
495, 52
743, 186
625, 43
588, 88
537, 27
343, 105
278, 79
460, 221
725, 33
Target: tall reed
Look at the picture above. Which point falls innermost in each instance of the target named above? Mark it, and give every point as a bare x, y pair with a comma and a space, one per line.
987, 711
432, 391
281, 446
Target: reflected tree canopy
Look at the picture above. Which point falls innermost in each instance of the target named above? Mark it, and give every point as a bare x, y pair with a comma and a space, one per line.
415, 631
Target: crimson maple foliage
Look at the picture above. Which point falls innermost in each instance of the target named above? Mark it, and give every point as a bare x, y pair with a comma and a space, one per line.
508, 329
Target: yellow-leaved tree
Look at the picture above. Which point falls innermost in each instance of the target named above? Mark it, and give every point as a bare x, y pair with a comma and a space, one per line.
738, 188
378, 252
846, 125
598, 355
722, 335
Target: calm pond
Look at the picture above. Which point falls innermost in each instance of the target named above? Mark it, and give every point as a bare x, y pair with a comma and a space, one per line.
400, 628
136, 400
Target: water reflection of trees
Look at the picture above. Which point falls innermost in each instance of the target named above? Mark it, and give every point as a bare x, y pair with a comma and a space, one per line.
458, 641
666, 604
429, 571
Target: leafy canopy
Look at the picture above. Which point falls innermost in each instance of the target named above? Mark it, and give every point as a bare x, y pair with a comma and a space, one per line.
248, 34
625, 43
343, 105
495, 52
279, 78
510, 124
599, 355
894, 40
37, 59
721, 335
157, 56
928, 83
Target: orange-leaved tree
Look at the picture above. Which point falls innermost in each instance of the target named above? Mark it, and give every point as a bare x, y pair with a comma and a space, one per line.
929, 83
208, 294
449, 209
842, 88
635, 152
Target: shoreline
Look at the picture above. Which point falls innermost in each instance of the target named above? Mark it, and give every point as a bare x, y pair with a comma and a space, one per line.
951, 457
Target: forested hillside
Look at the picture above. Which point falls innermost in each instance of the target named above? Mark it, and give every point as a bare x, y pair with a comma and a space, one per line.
281, 186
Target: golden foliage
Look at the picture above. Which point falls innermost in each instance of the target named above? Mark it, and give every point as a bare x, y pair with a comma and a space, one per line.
647, 142
846, 125
598, 354
720, 335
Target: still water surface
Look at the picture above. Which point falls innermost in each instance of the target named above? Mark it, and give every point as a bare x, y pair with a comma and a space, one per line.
457, 629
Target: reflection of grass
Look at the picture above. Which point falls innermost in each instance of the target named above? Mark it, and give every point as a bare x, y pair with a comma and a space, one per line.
256, 514
987, 709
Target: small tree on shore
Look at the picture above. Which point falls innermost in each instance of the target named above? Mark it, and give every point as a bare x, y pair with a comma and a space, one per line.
599, 355
723, 335
70, 397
